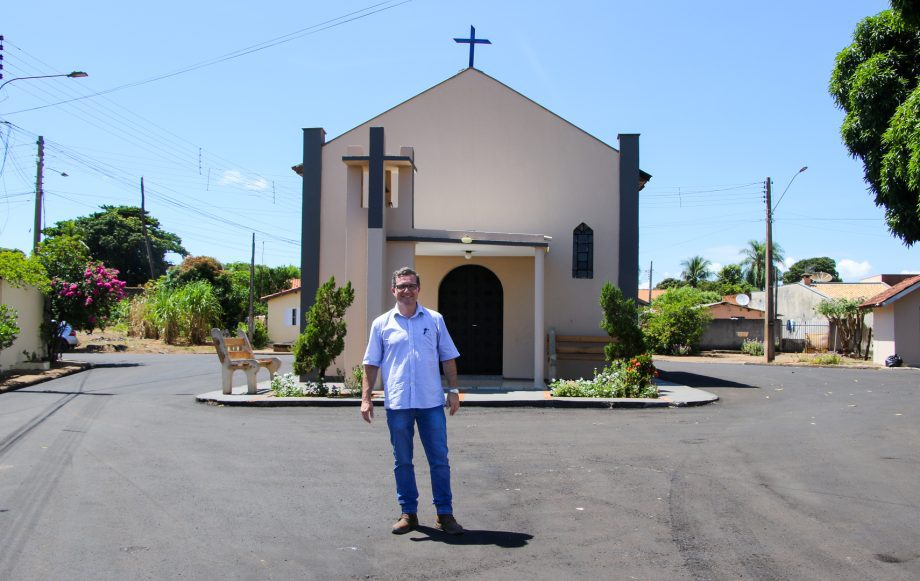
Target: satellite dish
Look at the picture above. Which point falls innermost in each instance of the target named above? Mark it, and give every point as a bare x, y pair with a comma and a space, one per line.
743, 299
822, 277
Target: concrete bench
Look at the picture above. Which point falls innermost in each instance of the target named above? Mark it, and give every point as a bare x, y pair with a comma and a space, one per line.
574, 348
235, 354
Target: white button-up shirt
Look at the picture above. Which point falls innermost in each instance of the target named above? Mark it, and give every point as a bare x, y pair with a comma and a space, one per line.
408, 352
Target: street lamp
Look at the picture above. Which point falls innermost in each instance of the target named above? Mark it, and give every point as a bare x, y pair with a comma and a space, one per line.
36, 233
787, 187
72, 75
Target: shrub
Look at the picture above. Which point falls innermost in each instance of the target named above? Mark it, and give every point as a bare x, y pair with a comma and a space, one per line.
632, 377
752, 347
323, 338
620, 320
675, 322
9, 330
85, 302
354, 382
286, 385
259, 333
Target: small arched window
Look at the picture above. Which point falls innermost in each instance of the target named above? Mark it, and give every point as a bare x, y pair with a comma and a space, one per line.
583, 252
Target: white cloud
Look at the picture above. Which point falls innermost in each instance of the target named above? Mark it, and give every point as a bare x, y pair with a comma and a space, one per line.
715, 267
235, 178
850, 270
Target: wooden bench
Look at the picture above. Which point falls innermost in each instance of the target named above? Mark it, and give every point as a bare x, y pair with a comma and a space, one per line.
574, 348
235, 354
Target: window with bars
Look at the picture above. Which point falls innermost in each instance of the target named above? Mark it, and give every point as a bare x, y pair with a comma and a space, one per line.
583, 252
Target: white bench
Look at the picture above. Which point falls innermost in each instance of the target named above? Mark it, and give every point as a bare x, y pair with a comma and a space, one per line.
235, 354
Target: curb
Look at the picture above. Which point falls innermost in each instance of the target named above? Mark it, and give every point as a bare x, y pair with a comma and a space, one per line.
263, 398
28, 380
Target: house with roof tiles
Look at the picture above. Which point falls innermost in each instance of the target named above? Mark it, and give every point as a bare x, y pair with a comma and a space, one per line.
283, 320
896, 312
796, 308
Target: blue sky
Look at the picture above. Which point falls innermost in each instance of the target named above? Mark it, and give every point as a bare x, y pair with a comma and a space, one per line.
723, 94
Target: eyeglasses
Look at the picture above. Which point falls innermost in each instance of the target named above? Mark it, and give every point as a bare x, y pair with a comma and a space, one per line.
406, 286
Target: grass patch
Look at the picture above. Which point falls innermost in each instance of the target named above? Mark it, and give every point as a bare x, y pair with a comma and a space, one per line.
822, 359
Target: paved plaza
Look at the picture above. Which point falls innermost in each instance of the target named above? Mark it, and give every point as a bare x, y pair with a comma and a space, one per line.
118, 473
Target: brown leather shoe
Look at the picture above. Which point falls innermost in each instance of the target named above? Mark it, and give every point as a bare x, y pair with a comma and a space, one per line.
406, 523
448, 524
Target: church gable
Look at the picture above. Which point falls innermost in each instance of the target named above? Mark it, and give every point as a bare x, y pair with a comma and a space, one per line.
484, 151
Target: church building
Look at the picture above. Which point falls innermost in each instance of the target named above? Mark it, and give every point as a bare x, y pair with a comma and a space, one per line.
513, 217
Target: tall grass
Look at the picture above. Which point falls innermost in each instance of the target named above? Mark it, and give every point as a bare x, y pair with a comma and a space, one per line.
200, 310
170, 314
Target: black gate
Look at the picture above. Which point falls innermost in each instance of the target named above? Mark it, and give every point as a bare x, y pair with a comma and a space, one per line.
471, 300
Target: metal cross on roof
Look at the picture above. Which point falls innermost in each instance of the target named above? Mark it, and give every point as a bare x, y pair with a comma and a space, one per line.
472, 41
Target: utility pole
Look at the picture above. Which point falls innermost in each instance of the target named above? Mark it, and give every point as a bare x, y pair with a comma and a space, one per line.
650, 265
144, 230
37, 227
252, 275
768, 351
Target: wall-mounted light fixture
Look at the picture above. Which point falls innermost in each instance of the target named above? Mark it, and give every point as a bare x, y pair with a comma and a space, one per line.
468, 254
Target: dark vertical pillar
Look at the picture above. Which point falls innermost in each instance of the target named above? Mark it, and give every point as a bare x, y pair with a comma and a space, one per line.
375, 178
628, 275
313, 140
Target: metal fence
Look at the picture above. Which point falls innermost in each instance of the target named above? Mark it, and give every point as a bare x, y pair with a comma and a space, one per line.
806, 336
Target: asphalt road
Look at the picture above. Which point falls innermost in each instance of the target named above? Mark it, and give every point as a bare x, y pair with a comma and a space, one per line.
797, 473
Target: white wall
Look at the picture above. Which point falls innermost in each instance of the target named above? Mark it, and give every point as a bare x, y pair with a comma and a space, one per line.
29, 303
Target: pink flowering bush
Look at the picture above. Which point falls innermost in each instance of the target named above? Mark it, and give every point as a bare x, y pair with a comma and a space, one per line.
88, 303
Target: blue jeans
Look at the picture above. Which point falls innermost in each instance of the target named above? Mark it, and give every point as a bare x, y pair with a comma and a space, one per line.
432, 430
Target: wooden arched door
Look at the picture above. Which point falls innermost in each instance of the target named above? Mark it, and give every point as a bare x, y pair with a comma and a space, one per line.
471, 300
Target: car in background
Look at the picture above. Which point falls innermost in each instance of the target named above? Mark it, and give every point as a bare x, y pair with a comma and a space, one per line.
67, 339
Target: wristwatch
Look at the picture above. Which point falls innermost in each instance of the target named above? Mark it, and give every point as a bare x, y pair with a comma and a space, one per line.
453, 390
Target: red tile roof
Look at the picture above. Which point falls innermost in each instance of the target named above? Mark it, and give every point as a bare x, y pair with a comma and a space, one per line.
894, 293
295, 287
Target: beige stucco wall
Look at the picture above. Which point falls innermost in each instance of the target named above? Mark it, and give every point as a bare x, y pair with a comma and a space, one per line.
516, 277
907, 328
278, 321
897, 330
29, 304
488, 159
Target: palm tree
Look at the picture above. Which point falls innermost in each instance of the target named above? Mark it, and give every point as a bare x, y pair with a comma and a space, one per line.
754, 259
696, 270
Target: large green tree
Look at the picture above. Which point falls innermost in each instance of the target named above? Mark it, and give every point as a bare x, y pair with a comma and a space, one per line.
115, 236
876, 81
696, 270
267, 280
754, 259
811, 266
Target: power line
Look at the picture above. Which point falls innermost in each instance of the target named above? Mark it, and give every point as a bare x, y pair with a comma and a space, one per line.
310, 30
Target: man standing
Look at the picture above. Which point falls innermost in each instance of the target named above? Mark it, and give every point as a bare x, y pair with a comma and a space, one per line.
407, 343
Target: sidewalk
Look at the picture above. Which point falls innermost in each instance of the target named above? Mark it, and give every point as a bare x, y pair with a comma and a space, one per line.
671, 395
509, 394
19, 380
